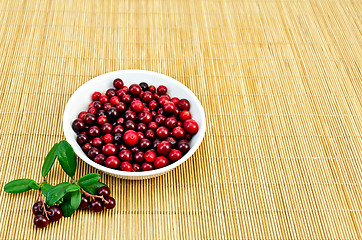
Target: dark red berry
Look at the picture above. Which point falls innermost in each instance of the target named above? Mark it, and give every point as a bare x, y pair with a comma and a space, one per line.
147, 96
174, 155
149, 156
162, 132
184, 104
171, 122
100, 158
150, 134
96, 95
136, 167
178, 132
155, 143
78, 125
112, 113
55, 213
144, 143
86, 147
138, 157
109, 149
130, 115
125, 155
118, 83
152, 125
93, 152
175, 100
101, 113
162, 90
145, 117
107, 106
126, 166
103, 99
82, 139
144, 86
160, 119
152, 105
82, 115
172, 141
118, 129
96, 205
161, 162
120, 106
104, 191
94, 131
146, 166
135, 89
112, 162
129, 125
41, 221
38, 208
118, 137
107, 128
92, 110
97, 142
97, 105
110, 203
141, 127
126, 98
164, 148
134, 149
84, 202
110, 93
184, 146
130, 138
90, 119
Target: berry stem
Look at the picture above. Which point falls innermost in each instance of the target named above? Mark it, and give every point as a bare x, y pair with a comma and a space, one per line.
93, 196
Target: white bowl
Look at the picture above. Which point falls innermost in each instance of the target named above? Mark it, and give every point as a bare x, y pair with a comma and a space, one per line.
81, 98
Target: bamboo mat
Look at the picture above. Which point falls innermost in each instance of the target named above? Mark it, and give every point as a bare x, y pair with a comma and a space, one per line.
281, 84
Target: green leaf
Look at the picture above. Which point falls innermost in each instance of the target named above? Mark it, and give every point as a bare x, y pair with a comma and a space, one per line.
72, 188
66, 158
60, 201
92, 189
49, 160
18, 185
89, 179
56, 193
45, 188
75, 199
34, 185
67, 206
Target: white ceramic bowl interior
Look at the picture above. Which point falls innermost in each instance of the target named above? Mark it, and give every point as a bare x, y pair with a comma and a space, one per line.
81, 98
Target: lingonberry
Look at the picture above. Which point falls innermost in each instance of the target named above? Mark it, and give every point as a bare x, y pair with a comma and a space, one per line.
86, 147
121, 147
120, 93
97, 142
184, 115
126, 166
78, 125
82, 139
152, 89
130, 138
184, 146
112, 162
114, 100
160, 119
112, 113
41, 221
107, 128
155, 96
120, 121
55, 213
175, 100
97, 105
163, 99
162, 132
164, 148
96, 95
107, 106
138, 157
155, 143
129, 125
125, 89
191, 126
134, 149
150, 134
90, 118
152, 125
130, 115
171, 122
184, 104
120, 106
96, 205
118, 83
110, 203
94, 131
140, 135
147, 96
100, 158
108, 138
93, 152
38, 208
161, 162
135, 89
126, 98
144, 143
104, 191
146, 166
149, 156
111, 92
102, 120
152, 105
137, 106
188, 136
125, 155
178, 132
162, 90
174, 155
81, 115
141, 127
118, 129
103, 99
84, 202
145, 117
144, 86
92, 110
172, 141
136, 167
101, 113
109, 149
177, 111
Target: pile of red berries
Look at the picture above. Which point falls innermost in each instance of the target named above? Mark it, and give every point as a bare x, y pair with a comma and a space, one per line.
139, 128
44, 214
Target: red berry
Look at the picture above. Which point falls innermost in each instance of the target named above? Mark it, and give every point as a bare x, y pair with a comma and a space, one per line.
171, 122
136, 167
141, 127
138, 156
126, 98
152, 89
78, 125
126, 166
55, 213
162, 132
169, 107
144, 143
90, 119
106, 128
100, 158
102, 119
108, 138
141, 135
104, 191
107, 106
82, 115
147, 166
41, 221
150, 134
103, 99
191, 126
178, 132
152, 125
86, 147
149, 156
161, 162
164, 148
114, 100
130, 115
94, 131
184, 104
109, 149
112, 162
93, 152
135, 89
110, 93
125, 89
118, 129
125, 155
97, 105
152, 105
145, 117
96, 205
174, 155
120, 106
110, 202
161, 89
156, 96
184, 115
147, 96
118, 83
163, 99
97, 142
96, 95
175, 100
130, 138
160, 119
137, 106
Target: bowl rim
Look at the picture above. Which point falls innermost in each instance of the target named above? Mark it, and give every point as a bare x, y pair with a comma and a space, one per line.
154, 172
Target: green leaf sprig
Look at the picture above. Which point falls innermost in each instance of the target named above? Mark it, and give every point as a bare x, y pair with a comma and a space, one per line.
66, 194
